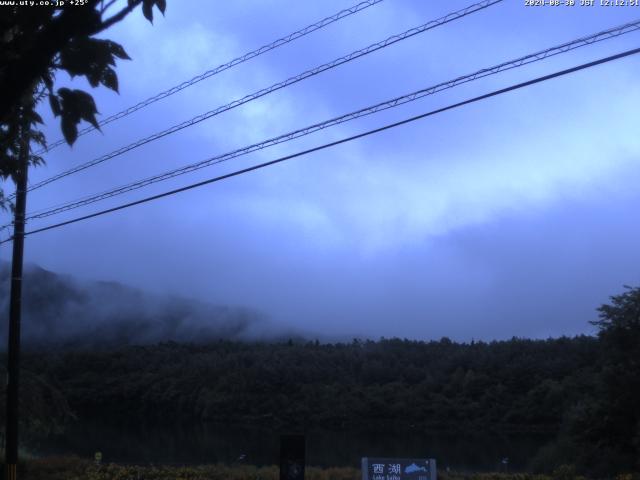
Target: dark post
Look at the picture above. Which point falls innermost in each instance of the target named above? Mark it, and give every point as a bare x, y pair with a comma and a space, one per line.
292, 457
13, 367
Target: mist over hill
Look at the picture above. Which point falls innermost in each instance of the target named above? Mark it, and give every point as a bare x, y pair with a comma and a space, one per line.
60, 310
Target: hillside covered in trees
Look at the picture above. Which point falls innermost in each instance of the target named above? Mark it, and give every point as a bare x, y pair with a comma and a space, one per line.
520, 385
583, 391
60, 311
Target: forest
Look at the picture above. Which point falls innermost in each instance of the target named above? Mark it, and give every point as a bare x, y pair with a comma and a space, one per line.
584, 390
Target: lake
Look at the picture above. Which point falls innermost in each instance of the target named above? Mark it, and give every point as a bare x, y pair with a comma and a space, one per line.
133, 443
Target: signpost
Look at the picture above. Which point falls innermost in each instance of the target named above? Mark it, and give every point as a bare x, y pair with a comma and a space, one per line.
398, 469
292, 457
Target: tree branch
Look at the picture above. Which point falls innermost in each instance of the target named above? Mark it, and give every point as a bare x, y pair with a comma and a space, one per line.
104, 8
19, 75
119, 16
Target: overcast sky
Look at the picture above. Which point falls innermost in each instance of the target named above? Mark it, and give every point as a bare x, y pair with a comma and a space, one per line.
515, 216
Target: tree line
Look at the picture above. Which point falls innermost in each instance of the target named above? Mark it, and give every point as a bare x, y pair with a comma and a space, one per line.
583, 390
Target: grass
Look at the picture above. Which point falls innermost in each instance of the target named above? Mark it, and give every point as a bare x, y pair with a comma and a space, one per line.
75, 468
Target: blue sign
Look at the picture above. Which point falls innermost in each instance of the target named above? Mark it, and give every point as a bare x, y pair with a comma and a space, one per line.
398, 469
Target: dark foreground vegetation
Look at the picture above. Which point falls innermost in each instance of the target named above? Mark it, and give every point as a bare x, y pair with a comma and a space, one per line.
583, 390
70, 468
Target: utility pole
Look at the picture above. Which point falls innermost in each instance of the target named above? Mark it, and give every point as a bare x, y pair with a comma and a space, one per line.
13, 366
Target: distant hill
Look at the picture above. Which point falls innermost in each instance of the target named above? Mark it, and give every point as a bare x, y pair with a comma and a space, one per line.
60, 310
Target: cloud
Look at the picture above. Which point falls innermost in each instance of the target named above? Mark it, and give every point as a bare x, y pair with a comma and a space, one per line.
165, 52
380, 235
381, 201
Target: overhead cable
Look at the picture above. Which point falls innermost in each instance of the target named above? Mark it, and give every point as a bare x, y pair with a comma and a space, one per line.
508, 65
341, 141
225, 66
277, 86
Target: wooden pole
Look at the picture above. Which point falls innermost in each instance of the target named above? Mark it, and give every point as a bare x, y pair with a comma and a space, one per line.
13, 366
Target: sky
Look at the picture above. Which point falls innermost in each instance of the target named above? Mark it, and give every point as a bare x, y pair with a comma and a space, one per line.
514, 216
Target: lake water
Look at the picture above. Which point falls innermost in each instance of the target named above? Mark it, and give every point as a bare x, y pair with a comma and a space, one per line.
204, 444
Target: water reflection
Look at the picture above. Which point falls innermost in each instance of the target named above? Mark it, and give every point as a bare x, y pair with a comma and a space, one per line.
204, 444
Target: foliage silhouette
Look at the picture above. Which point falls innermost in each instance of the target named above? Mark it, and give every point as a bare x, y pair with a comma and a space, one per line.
35, 44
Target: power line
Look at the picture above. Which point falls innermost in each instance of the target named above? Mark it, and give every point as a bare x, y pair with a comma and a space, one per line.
225, 66
525, 60
341, 141
277, 86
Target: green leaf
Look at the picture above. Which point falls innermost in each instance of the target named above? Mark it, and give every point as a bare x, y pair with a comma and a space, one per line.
69, 129
93, 76
162, 5
33, 117
36, 160
109, 79
48, 81
86, 107
147, 9
89, 57
64, 93
117, 50
55, 105
76, 105
38, 137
